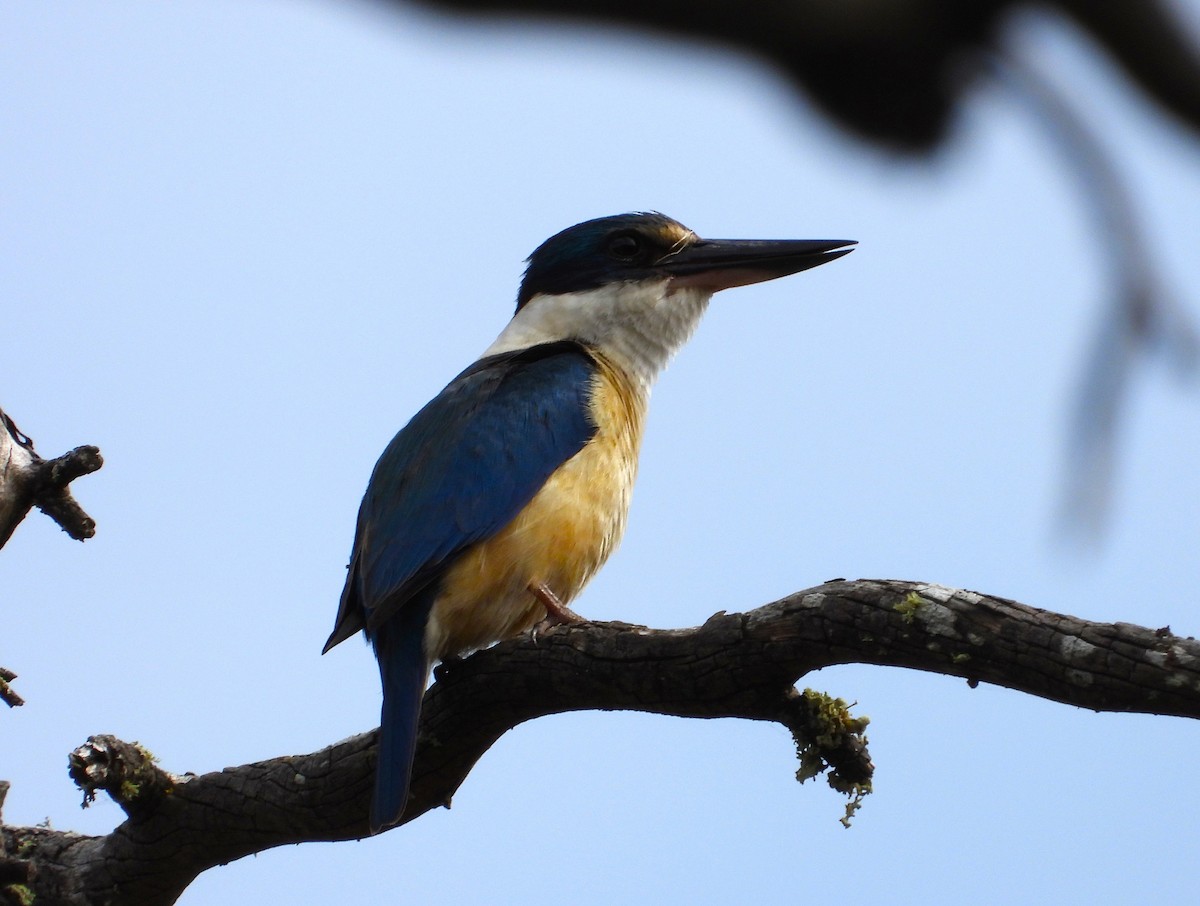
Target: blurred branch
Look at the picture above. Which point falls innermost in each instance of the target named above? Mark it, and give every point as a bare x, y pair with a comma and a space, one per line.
28, 481
1139, 321
893, 72
1151, 44
735, 665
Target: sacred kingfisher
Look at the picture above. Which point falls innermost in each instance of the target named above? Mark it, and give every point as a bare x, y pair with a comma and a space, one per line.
496, 504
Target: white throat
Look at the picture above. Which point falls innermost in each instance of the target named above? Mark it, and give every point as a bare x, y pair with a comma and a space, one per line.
639, 326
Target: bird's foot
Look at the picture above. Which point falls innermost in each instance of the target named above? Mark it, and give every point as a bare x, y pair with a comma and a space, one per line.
557, 613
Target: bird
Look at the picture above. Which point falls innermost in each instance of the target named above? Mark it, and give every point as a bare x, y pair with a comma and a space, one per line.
500, 499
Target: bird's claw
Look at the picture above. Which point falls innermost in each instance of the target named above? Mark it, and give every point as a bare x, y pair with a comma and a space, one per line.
557, 613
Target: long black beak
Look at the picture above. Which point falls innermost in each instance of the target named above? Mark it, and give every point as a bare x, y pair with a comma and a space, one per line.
716, 264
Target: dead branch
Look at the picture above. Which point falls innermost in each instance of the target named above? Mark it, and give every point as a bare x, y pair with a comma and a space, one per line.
735, 665
8, 694
28, 481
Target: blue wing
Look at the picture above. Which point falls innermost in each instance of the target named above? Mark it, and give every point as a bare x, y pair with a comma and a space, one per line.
460, 471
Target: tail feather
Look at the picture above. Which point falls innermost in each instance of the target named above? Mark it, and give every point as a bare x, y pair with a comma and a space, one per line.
403, 670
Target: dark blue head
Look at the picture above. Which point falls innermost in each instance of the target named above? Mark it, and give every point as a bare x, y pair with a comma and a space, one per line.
643, 246
601, 251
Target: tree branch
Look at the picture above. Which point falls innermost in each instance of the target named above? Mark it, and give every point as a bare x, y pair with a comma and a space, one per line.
735, 665
28, 481
8, 694
893, 72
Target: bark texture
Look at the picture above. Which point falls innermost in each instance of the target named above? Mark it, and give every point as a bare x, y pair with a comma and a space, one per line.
28, 481
735, 665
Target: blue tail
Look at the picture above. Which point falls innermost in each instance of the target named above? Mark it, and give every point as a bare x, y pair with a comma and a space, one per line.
403, 670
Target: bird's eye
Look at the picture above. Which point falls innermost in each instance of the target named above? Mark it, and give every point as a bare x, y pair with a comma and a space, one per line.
624, 247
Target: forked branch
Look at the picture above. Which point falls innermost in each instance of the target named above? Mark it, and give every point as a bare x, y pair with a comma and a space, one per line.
28, 481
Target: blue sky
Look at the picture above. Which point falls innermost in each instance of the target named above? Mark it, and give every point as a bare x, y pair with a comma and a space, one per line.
242, 243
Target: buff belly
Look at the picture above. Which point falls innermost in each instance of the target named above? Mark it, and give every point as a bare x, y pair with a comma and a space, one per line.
561, 538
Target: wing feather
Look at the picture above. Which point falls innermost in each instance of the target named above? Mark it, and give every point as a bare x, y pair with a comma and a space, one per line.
460, 471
